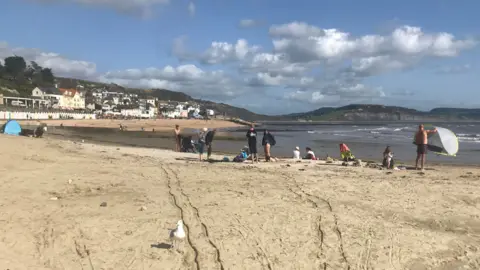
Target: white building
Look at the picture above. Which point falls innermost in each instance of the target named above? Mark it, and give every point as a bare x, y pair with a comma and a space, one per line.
51, 95
107, 107
90, 106
171, 114
210, 112
71, 99
179, 107
131, 112
193, 109
151, 101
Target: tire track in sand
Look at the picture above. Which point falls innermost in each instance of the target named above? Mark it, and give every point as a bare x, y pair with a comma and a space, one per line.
335, 220
327, 220
196, 228
249, 235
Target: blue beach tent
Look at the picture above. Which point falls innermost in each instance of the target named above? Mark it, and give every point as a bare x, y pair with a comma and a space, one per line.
12, 127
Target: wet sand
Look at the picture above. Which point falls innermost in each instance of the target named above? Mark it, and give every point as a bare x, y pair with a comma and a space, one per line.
283, 215
135, 124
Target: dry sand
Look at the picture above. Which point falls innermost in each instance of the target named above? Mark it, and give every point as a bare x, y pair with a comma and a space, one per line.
280, 215
148, 124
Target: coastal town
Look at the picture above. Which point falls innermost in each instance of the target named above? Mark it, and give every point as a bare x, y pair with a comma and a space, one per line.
106, 102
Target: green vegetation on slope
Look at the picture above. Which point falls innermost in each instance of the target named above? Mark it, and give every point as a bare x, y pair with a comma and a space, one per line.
17, 78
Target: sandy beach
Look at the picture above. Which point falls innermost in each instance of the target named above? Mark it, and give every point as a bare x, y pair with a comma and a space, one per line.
283, 215
136, 124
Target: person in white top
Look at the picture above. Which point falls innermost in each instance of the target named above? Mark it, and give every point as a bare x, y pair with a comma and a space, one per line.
296, 153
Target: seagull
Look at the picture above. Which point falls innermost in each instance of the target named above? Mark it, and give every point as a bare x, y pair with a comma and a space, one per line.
178, 234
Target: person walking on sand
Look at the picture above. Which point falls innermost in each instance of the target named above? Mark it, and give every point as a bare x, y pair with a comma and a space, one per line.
421, 140
178, 138
268, 141
209, 140
201, 142
252, 143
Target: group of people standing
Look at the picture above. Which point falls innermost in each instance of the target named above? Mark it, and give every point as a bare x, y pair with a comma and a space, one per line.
205, 139
268, 141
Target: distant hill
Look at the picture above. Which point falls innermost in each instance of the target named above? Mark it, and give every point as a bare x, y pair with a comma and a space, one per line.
242, 113
457, 113
371, 112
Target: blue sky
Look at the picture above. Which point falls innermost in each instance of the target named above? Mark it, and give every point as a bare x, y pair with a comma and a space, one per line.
413, 60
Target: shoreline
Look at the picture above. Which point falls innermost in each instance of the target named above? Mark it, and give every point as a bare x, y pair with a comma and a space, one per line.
164, 141
136, 124
230, 140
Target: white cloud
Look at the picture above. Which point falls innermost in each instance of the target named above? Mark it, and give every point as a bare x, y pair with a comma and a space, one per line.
266, 79
61, 65
186, 78
246, 23
274, 64
304, 43
221, 52
191, 9
139, 7
337, 93
217, 53
412, 40
373, 65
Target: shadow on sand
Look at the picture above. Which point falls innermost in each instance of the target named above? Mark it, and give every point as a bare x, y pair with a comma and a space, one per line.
187, 159
161, 246
196, 159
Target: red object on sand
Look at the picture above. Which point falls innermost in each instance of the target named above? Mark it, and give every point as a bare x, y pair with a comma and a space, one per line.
344, 148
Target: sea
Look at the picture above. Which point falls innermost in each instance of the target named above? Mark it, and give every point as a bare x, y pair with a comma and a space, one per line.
367, 141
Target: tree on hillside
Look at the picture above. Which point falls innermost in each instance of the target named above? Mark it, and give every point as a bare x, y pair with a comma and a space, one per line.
15, 66
36, 67
47, 76
2, 70
34, 72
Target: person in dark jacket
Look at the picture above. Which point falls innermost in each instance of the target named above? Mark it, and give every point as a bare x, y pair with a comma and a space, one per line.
268, 141
209, 140
252, 142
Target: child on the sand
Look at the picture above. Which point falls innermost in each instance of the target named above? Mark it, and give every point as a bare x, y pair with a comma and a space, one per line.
310, 154
388, 158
